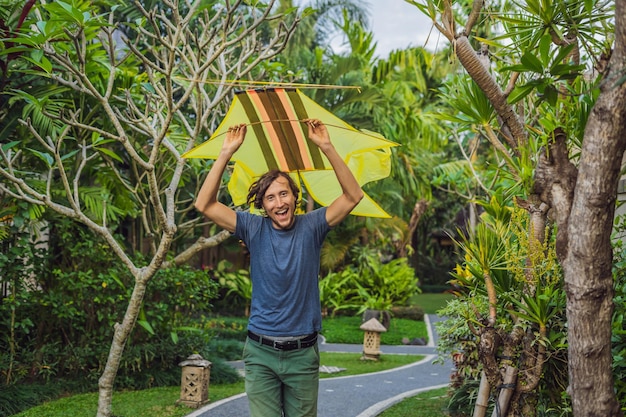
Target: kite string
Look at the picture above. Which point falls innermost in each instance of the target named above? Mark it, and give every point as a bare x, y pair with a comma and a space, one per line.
241, 83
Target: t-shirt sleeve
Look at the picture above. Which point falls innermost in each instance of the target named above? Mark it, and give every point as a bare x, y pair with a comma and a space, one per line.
321, 226
241, 228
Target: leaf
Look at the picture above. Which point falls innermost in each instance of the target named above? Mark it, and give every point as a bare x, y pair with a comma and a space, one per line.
532, 63
146, 326
44, 64
551, 95
45, 157
563, 52
515, 68
110, 153
519, 92
544, 49
69, 155
487, 41
7, 146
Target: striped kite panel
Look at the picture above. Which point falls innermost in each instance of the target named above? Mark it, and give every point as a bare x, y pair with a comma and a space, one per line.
276, 116
259, 131
301, 114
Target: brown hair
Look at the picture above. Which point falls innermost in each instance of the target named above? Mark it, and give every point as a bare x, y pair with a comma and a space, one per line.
259, 187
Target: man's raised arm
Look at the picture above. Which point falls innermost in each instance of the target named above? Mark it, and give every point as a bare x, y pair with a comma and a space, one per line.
352, 193
206, 201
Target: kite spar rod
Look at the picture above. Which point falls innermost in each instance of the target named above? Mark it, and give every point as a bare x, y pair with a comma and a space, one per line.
301, 121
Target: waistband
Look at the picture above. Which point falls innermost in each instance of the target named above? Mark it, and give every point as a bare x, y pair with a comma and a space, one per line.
305, 342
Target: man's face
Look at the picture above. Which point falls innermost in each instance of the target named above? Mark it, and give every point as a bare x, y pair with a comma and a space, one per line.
279, 203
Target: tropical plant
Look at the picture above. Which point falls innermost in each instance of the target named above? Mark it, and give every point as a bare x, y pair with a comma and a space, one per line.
117, 93
558, 149
496, 313
237, 282
382, 286
369, 283
336, 292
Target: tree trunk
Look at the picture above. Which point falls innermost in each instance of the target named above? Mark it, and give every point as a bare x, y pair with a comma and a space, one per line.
418, 211
587, 265
120, 337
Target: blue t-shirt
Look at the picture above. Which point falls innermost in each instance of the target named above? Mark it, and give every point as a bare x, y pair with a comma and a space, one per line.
284, 269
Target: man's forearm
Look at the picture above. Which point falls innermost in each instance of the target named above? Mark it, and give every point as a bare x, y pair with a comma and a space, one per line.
208, 192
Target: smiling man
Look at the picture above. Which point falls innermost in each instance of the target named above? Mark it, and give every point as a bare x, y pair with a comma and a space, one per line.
281, 357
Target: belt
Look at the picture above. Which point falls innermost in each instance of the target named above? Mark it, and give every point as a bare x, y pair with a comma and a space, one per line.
305, 342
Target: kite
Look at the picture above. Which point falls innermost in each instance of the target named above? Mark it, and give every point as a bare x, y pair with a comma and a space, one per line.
277, 138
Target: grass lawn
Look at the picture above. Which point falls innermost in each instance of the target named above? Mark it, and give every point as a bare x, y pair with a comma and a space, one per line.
426, 404
345, 329
431, 302
355, 366
155, 402
161, 402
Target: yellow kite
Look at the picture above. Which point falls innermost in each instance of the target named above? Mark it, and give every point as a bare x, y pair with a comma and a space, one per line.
277, 139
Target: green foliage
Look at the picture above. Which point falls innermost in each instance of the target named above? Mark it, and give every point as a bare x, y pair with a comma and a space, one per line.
226, 327
529, 297
65, 298
336, 291
371, 285
14, 398
381, 286
236, 282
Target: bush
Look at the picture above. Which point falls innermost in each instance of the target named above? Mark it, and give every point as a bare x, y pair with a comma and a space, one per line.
223, 373
372, 285
76, 290
16, 398
227, 327
409, 312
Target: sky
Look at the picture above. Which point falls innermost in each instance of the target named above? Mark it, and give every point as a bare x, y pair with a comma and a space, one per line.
397, 24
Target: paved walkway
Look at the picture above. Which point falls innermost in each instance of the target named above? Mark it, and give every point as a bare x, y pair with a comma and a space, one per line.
360, 395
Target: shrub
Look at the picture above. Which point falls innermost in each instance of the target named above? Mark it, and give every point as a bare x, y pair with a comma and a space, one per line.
372, 285
408, 312
57, 322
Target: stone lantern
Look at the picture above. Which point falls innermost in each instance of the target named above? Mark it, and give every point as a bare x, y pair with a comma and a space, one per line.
371, 340
194, 384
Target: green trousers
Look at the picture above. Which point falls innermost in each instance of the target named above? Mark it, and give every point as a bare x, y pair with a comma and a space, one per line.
281, 382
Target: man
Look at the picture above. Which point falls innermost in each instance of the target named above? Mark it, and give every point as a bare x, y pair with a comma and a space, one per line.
281, 356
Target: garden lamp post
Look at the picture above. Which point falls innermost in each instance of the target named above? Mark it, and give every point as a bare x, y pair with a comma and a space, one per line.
371, 339
194, 384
